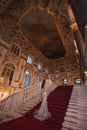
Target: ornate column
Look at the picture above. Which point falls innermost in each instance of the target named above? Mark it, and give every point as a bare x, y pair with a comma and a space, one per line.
86, 44
78, 37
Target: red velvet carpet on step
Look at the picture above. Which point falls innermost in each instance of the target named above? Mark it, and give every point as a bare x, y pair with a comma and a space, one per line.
57, 102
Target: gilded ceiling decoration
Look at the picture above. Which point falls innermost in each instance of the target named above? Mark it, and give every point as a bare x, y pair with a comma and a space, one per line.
40, 28
46, 36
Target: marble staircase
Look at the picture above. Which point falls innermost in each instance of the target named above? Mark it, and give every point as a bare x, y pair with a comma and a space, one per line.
23, 108
76, 115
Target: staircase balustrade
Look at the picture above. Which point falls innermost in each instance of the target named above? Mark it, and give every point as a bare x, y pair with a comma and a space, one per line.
16, 99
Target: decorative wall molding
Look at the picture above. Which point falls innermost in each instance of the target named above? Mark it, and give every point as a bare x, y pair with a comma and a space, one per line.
11, 33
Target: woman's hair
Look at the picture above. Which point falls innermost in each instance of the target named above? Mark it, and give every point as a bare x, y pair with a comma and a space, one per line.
43, 83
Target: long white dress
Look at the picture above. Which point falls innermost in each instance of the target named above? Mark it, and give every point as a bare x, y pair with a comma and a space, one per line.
42, 113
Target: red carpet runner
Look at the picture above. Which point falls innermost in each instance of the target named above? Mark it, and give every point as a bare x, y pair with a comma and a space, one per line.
57, 103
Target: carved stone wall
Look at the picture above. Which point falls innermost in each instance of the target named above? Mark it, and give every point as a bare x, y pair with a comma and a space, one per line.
20, 64
4, 5
10, 32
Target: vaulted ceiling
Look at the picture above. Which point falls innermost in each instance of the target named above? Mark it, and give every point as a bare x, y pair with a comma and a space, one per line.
41, 27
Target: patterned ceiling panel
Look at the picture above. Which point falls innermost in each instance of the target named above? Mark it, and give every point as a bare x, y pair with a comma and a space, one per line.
42, 36
39, 27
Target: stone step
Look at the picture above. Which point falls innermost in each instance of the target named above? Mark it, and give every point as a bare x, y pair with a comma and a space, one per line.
77, 107
76, 120
78, 110
76, 114
65, 128
70, 125
78, 103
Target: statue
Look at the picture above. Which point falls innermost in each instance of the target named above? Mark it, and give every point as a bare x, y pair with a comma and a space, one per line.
43, 113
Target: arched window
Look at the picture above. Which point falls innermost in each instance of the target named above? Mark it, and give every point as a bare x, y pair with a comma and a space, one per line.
30, 60
27, 79
38, 79
39, 66
7, 73
46, 71
62, 70
15, 49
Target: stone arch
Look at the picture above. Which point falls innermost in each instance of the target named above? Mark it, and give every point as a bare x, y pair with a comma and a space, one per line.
8, 73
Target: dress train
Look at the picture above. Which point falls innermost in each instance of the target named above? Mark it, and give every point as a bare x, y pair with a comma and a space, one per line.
42, 113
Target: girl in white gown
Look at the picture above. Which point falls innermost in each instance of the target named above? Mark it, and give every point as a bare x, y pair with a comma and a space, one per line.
42, 113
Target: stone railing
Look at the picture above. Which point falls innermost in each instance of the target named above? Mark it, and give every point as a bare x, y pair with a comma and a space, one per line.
13, 101
49, 83
6, 90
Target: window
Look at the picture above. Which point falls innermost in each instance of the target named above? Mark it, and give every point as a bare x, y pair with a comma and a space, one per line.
39, 66
15, 49
8, 69
27, 79
46, 71
62, 70
38, 79
30, 60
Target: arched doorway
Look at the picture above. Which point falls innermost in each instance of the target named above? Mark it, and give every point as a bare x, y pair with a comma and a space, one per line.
7, 73
27, 79
38, 79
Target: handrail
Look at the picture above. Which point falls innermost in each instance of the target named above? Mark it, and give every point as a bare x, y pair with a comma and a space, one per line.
13, 101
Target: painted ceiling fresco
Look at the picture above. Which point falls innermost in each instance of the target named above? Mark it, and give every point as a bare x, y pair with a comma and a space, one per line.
40, 28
